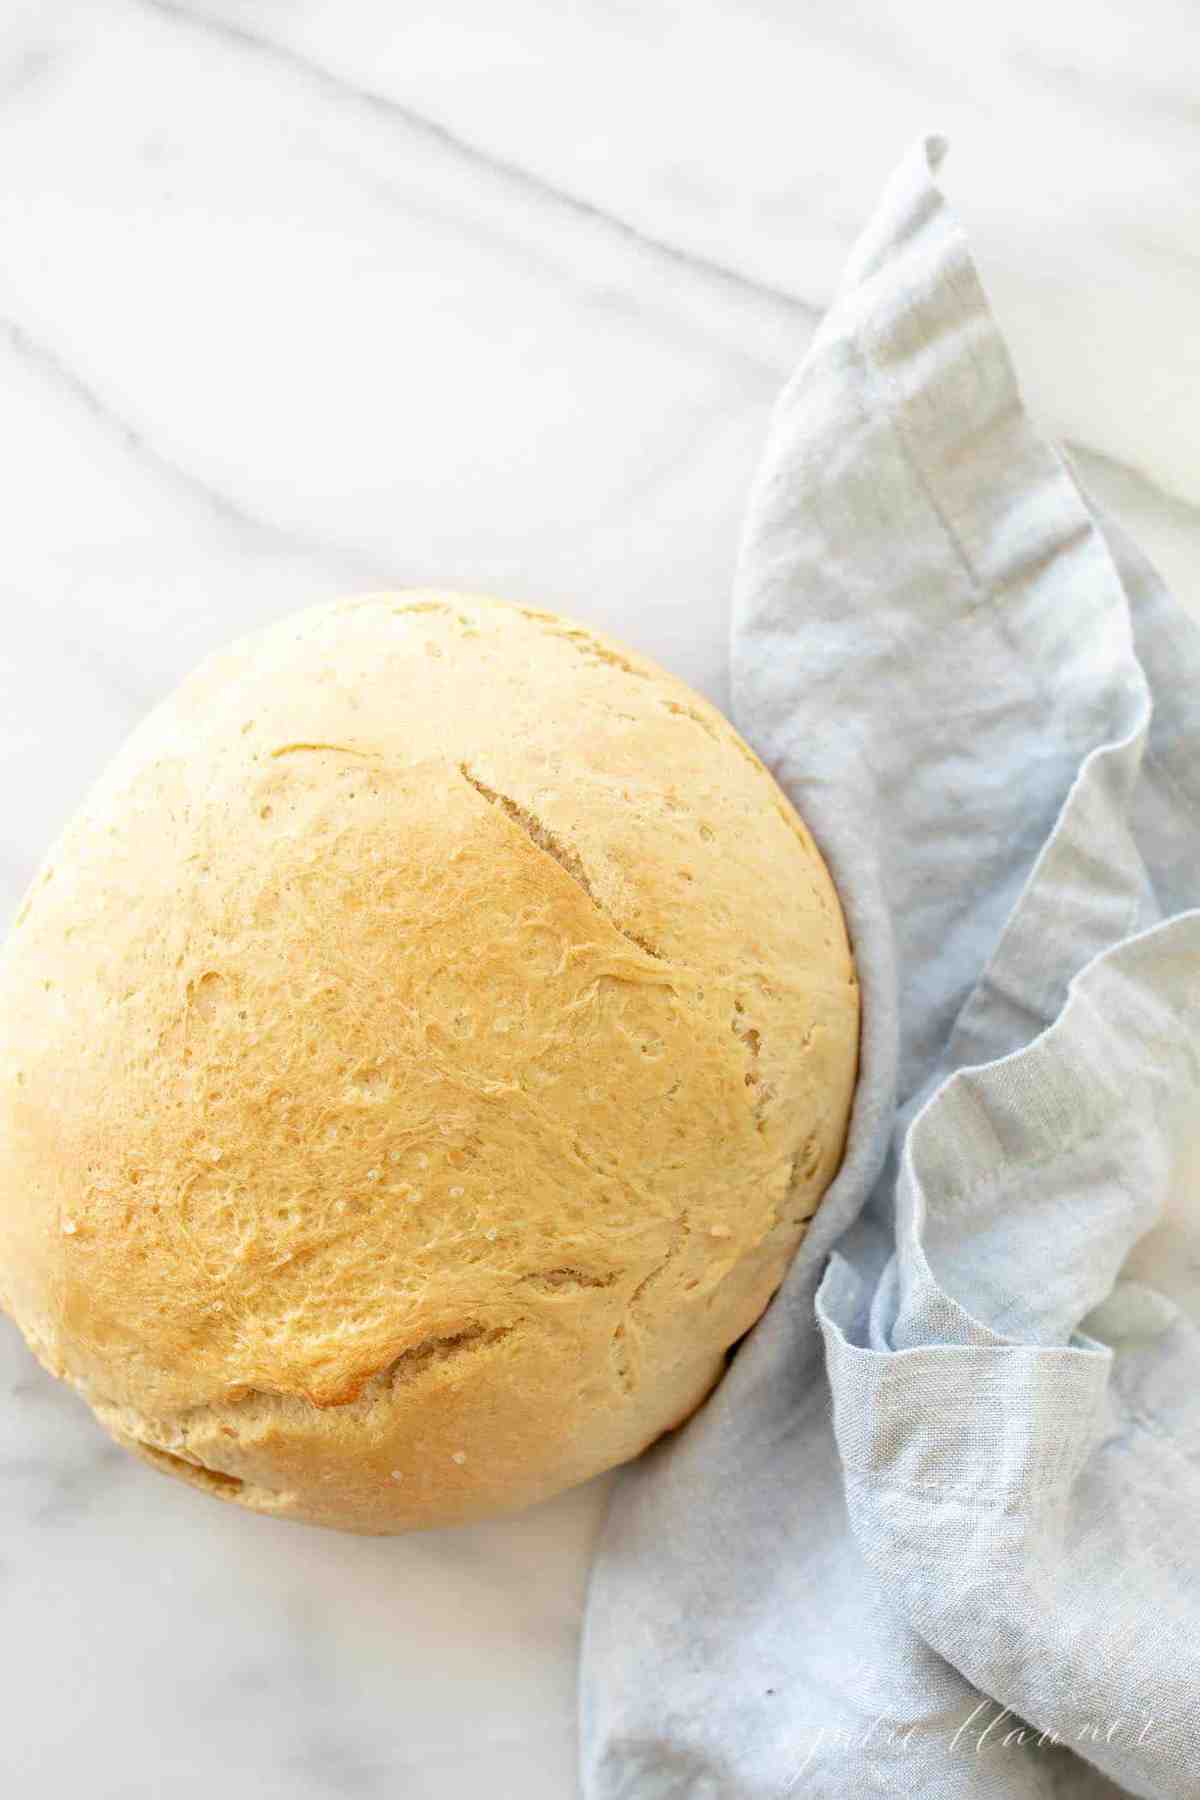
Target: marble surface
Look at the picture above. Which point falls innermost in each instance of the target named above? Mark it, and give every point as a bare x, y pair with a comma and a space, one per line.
300, 297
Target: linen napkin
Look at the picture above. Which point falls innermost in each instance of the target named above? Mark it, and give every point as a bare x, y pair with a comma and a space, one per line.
937, 1533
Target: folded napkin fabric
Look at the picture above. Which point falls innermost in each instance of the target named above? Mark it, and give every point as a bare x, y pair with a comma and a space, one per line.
938, 1531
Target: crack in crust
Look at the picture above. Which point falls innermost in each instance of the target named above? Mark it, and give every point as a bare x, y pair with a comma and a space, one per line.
695, 715
583, 642
434, 1350
214, 1481
301, 748
751, 1038
565, 855
623, 1340
559, 1281
249, 1401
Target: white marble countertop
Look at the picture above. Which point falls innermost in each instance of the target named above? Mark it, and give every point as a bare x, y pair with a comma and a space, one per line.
300, 297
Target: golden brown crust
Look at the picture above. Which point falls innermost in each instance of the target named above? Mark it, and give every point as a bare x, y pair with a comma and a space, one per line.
418, 1061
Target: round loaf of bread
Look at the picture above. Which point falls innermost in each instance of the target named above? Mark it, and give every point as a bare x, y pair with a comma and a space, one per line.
419, 1060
